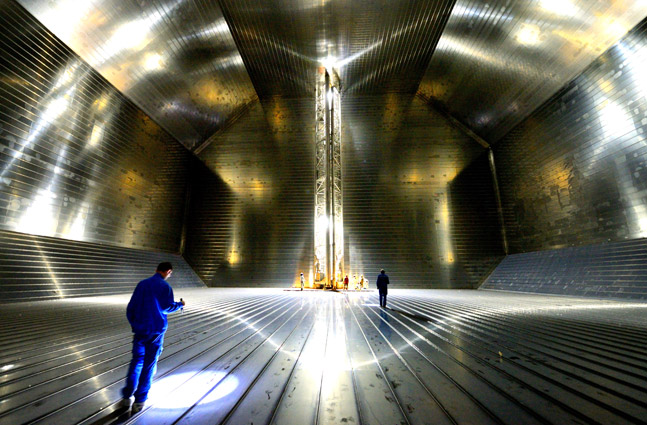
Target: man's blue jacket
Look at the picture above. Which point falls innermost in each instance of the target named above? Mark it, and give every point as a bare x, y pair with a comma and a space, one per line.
149, 305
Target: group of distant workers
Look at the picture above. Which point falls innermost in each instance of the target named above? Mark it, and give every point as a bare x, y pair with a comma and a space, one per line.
382, 285
359, 284
149, 305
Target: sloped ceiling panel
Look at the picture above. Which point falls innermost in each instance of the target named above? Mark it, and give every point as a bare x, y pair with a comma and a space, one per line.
498, 61
378, 46
175, 59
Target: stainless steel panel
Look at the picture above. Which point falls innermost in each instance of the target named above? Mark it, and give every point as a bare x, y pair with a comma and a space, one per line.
37, 268
574, 172
174, 59
291, 358
399, 158
616, 270
378, 46
252, 224
497, 61
77, 160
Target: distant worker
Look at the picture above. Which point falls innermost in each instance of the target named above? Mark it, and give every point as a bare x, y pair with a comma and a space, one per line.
303, 281
346, 282
361, 282
151, 301
382, 286
356, 282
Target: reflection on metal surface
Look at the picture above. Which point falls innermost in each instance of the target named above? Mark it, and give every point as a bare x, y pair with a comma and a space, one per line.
50, 270
175, 59
447, 252
55, 104
176, 393
496, 62
585, 181
77, 160
441, 357
171, 393
283, 43
528, 34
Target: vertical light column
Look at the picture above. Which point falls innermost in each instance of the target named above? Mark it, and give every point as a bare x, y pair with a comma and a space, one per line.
321, 165
329, 231
330, 235
337, 199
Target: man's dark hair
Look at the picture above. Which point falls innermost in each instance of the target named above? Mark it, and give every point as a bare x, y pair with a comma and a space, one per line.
382, 271
164, 267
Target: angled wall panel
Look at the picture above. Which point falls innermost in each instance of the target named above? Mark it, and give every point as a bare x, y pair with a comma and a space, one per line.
80, 163
251, 219
574, 174
400, 159
475, 224
609, 270
37, 268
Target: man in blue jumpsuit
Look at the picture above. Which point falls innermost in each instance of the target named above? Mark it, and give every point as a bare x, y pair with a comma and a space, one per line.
382, 283
151, 301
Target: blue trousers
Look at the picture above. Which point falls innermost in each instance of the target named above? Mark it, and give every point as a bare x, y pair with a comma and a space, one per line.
146, 351
382, 299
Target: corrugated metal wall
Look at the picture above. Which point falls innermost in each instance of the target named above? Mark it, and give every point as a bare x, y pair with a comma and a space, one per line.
609, 270
398, 161
252, 223
37, 267
574, 173
78, 161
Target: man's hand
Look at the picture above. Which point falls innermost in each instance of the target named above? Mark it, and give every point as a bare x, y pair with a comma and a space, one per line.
182, 301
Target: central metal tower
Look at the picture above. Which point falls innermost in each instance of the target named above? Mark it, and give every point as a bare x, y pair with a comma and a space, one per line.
329, 230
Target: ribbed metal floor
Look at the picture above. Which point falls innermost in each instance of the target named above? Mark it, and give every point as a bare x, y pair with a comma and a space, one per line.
289, 357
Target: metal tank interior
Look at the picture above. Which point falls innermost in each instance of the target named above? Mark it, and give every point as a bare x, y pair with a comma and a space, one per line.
491, 156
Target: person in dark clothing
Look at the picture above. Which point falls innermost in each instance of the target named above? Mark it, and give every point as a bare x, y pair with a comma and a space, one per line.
382, 286
151, 301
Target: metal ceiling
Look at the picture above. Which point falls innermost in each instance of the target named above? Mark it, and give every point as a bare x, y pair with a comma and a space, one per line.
194, 65
498, 61
377, 45
175, 59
